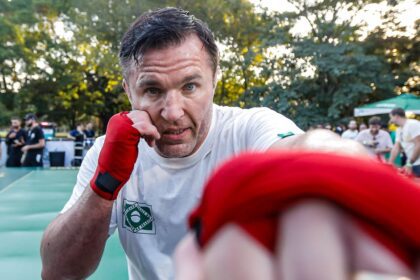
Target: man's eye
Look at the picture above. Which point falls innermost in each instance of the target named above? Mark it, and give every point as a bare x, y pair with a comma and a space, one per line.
190, 87
152, 91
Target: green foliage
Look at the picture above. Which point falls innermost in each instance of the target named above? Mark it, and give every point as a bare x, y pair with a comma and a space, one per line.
73, 75
327, 72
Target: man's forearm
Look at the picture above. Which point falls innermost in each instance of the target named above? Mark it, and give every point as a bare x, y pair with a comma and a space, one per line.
36, 146
415, 154
394, 152
321, 140
73, 243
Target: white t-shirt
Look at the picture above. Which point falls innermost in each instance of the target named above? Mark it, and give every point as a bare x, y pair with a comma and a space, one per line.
152, 208
382, 139
350, 134
406, 135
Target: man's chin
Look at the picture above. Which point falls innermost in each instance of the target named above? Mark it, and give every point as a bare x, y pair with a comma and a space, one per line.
174, 150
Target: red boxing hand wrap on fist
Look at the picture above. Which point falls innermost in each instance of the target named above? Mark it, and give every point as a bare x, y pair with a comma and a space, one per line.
117, 158
253, 189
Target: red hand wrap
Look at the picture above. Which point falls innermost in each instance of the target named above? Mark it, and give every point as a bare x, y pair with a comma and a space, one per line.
117, 158
253, 189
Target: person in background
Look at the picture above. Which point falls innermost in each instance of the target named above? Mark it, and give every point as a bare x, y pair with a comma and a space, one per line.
352, 132
407, 139
78, 136
15, 140
362, 127
77, 133
89, 131
377, 141
339, 129
34, 147
328, 126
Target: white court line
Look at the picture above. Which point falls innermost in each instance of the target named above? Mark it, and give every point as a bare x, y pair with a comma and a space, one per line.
14, 182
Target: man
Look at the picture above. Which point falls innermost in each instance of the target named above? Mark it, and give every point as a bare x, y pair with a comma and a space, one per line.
147, 174
89, 131
15, 139
78, 136
77, 133
377, 141
352, 132
407, 140
35, 143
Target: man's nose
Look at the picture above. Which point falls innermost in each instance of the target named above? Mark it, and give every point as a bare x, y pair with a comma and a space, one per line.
173, 107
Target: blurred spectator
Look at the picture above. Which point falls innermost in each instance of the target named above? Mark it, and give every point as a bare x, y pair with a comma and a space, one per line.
407, 139
362, 127
339, 129
89, 132
328, 126
77, 134
352, 132
377, 141
35, 143
15, 139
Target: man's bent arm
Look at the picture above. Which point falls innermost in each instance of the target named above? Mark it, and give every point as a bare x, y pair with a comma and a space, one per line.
40, 144
321, 140
73, 243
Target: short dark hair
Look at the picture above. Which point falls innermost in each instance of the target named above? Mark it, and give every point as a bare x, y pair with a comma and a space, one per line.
398, 111
30, 116
161, 28
375, 121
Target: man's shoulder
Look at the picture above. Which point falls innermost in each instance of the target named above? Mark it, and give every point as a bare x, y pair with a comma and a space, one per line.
364, 132
99, 141
384, 132
231, 112
413, 124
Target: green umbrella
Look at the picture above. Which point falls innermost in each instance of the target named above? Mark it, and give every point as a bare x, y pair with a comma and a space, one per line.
409, 102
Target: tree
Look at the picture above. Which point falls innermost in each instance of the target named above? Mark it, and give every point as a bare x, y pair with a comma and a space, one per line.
327, 72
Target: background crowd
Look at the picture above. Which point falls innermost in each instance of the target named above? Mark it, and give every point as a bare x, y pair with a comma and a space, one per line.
25, 143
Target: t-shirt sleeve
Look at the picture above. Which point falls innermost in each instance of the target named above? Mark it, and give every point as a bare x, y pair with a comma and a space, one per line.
40, 134
266, 126
414, 129
86, 172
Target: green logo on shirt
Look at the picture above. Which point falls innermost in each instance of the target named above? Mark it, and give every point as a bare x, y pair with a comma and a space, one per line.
138, 217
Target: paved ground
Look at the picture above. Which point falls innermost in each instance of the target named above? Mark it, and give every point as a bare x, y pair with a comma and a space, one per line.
29, 200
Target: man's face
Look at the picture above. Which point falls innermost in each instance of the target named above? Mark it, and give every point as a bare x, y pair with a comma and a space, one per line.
352, 125
395, 119
175, 86
15, 124
29, 122
374, 128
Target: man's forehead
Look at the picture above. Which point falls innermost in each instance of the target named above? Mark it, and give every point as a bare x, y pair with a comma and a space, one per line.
190, 49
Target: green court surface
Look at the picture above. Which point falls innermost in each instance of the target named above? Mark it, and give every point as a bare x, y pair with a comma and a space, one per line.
29, 200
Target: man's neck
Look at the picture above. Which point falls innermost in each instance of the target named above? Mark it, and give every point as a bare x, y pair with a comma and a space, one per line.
403, 122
